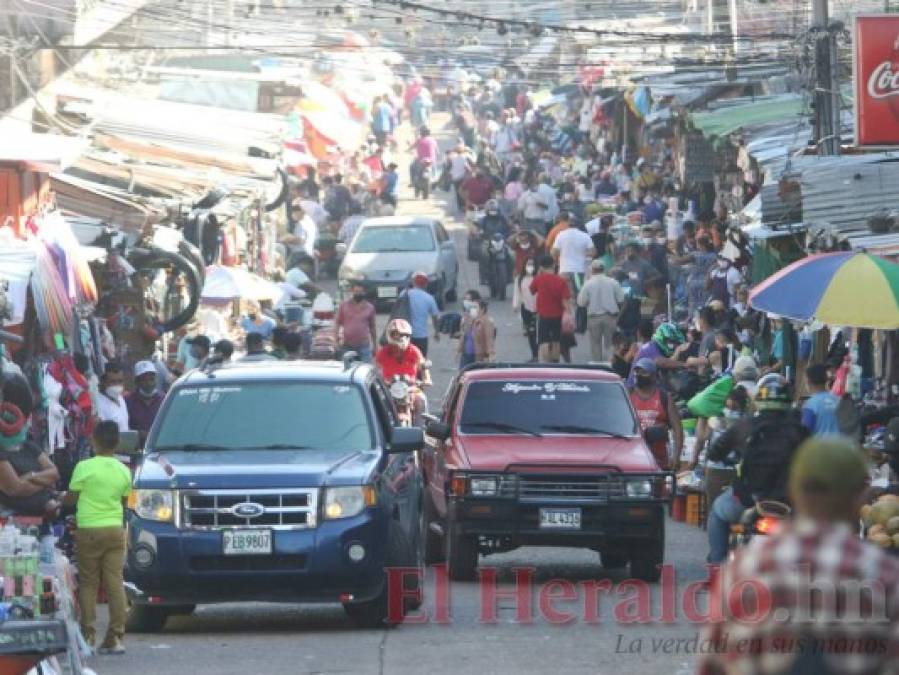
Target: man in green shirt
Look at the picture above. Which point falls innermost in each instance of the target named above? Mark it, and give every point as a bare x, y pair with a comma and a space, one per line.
100, 487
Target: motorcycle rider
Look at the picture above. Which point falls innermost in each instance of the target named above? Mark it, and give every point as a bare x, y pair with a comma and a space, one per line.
400, 357
766, 443
491, 222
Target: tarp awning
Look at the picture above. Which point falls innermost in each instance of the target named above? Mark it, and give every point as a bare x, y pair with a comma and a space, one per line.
729, 119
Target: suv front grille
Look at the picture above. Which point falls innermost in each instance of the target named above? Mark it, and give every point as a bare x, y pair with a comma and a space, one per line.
292, 509
247, 563
568, 488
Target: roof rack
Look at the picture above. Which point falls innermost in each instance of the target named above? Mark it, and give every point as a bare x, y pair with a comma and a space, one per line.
605, 367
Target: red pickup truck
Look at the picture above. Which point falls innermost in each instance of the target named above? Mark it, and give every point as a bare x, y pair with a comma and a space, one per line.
541, 455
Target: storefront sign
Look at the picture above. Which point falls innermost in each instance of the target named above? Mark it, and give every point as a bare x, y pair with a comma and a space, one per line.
876, 80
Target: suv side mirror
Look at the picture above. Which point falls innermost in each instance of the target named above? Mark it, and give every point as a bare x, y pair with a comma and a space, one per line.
406, 439
340, 249
437, 429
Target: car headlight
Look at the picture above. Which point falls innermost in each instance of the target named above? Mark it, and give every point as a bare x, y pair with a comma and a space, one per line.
482, 486
346, 502
156, 505
639, 488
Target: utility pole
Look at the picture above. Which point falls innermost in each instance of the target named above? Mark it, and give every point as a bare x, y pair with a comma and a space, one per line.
827, 86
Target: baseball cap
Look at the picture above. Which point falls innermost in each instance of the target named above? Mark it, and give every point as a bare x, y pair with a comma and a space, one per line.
598, 265
144, 367
646, 364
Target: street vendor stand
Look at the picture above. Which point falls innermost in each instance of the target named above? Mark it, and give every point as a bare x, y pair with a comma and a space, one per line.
38, 622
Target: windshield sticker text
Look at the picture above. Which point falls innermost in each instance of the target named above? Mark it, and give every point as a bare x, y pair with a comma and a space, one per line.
547, 387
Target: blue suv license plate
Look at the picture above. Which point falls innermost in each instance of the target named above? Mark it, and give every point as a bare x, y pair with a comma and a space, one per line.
247, 542
560, 519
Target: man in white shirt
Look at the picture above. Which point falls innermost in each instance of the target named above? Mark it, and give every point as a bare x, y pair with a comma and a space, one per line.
111, 405
314, 210
548, 196
532, 209
305, 230
573, 248
602, 296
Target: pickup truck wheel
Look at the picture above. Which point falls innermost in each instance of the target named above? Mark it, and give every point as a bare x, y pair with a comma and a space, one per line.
434, 551
146, 619
612, 561
647, 558
374, 613
461, 555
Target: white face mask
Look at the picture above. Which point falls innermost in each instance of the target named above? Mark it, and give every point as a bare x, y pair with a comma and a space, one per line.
115, 391
469, 304
530, 269
722, 264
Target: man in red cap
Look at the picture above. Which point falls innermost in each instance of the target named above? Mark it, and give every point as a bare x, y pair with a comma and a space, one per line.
421, 306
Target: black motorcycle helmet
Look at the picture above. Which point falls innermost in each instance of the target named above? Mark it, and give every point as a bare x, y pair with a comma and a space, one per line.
774, 393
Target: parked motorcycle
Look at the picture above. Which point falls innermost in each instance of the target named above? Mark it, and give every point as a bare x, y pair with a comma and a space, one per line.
498, 266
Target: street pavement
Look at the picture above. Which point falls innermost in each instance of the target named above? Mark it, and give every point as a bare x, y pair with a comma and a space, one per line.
291, 639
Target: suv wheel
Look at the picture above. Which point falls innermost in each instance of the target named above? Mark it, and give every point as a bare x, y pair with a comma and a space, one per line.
146, 619
374, 613
647, 558
461, 554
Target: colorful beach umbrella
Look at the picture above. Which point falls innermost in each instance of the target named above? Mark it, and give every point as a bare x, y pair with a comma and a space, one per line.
839, 289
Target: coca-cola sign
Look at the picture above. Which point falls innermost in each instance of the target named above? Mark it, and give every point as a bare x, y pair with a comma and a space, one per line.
876, 52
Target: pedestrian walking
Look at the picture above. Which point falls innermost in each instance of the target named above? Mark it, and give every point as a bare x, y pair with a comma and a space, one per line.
553, 298
526, 303
478, 332
354, 325
422, 306
602, 297
98, 489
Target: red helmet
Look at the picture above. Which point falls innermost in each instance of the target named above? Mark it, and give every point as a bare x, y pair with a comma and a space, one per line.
420, 279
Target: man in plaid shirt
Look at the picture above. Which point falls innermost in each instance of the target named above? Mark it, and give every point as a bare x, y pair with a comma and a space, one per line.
816, 599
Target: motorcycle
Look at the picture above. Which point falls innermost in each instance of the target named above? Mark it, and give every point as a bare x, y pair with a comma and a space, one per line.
402, 391
765, 518
498, 264
421, 178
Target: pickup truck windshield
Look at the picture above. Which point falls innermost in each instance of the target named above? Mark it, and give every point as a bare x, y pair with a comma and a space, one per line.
317, 416
541, 407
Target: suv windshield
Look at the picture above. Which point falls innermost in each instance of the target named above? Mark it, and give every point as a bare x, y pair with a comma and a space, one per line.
547, 407
318, 416
399, 239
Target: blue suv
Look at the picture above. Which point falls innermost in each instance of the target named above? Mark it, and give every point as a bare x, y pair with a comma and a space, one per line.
279, 482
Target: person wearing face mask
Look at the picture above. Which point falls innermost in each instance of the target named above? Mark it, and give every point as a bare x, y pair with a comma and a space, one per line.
655, 408
526, 303
478, 332
720, 472
526, 245
27, 476
638, 270
144, 402
354, 325
723, 281
111, 405
256, 322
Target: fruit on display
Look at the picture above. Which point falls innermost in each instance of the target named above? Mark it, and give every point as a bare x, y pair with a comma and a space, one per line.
881, 521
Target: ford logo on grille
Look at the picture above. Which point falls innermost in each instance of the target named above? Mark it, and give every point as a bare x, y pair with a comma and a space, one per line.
248, 510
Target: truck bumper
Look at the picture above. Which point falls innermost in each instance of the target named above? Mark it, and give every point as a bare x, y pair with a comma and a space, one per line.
517, 523
189, 567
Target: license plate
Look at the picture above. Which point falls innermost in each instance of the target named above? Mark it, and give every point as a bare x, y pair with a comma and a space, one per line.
247, 542
387, 291
560, 519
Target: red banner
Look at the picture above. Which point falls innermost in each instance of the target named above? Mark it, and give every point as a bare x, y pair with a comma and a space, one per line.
877, 80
